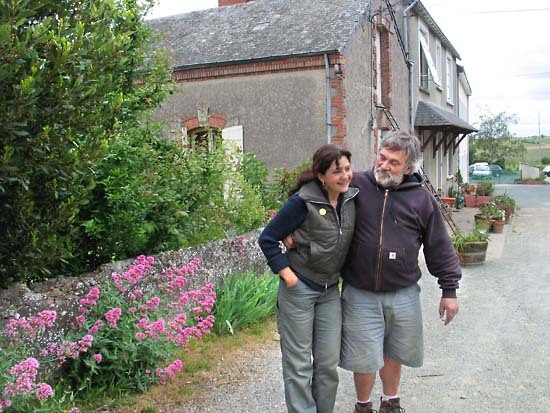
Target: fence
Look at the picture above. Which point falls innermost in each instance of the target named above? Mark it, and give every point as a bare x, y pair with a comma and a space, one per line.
503, 177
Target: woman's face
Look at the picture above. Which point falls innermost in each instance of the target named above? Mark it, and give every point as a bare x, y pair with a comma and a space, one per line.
337, 177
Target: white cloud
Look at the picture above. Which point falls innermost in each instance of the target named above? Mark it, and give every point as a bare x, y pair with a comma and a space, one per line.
505, 53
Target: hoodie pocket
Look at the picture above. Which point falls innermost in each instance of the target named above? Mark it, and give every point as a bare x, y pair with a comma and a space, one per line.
395, 261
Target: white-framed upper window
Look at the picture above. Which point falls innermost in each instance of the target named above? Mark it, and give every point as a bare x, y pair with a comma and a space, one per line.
426, 62
378, 68
450, 78
438, 59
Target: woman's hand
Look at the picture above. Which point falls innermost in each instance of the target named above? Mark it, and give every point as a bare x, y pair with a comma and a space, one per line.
289, 277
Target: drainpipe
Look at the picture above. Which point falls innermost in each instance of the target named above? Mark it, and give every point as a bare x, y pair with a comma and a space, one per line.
410, 63
329, 99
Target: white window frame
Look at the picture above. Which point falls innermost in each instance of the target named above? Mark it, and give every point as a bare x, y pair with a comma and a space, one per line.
378, 68
449, 64
438, 60
233, 138
423, 38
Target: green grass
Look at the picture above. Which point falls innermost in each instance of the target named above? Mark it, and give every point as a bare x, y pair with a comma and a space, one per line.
535, 152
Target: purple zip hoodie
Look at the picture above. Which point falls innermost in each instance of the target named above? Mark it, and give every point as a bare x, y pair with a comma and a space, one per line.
391, 225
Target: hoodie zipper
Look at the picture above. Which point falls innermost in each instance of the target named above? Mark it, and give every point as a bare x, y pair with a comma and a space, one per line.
380, 243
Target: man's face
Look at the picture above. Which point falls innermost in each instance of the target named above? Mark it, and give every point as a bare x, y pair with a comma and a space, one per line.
389, 168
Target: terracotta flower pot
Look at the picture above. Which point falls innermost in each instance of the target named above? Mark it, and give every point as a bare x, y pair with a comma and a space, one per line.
498, 226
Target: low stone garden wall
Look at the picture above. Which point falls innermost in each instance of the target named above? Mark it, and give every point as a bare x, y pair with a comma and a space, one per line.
238, 254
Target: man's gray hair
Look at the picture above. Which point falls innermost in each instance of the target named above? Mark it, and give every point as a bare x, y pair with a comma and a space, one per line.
407, 142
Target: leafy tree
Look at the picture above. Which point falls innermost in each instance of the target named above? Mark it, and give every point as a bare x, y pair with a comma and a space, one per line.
71, 77
153, 195
493, 142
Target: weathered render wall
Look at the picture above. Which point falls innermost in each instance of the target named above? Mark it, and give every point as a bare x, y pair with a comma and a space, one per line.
283, 115
358, 100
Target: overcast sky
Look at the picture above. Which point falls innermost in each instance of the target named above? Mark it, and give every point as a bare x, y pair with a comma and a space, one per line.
504, 48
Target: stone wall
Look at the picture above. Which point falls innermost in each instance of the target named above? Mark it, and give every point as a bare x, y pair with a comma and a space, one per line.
238, 254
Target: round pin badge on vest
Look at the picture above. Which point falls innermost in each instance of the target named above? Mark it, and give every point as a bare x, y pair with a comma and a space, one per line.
322, 212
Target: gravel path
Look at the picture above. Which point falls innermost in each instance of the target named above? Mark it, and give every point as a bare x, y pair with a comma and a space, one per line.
494, 357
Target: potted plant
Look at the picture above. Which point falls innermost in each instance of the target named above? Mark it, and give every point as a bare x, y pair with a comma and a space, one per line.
471, 247
506, 203
498, 222
483, 220
490, 212
483, 194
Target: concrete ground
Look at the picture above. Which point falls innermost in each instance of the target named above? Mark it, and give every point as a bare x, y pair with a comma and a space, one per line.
493, 357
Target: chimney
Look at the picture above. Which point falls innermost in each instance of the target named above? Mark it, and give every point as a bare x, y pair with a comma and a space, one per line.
231, 2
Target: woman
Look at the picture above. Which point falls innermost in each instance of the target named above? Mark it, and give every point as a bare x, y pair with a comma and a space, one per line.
320, 215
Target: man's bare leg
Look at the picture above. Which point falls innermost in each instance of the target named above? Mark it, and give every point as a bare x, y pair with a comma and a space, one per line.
364, 382
390, 375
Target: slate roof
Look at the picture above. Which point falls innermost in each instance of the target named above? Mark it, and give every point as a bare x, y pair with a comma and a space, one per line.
429, 116
260, 29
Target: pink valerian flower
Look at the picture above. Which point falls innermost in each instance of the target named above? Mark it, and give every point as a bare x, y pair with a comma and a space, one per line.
25, 376
85, 343
136, 295
4, 403
74, 410
80, 319
136, 272
95, 328
112, 316
143, 322
43, 391
28, 329
90, 300
151, 304
97, 357
170, 371
155, 329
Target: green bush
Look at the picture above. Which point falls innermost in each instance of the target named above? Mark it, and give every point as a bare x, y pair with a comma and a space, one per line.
152, 195
485, 188
71, 77
243, 299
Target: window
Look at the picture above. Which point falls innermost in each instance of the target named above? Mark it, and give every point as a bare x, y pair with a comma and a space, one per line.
438, 60
439, 166
233, 137
428, 69
378, 68
423, 48
450, 159
450, 79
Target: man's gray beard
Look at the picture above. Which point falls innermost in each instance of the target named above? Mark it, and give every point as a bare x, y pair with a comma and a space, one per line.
385, 181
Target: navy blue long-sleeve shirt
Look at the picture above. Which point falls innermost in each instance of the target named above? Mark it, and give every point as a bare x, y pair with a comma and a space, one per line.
291, 215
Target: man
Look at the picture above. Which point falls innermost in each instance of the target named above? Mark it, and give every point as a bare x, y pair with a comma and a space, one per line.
382, 319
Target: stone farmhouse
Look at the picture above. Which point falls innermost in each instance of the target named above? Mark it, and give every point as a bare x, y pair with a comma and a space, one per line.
282, 77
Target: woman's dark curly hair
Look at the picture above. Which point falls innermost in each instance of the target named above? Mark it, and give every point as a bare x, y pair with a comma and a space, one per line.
322, 159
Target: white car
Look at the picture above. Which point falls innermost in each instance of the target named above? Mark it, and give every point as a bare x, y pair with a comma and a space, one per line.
479, 171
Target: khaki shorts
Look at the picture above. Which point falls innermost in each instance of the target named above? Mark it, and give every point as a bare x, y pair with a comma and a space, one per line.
376, 325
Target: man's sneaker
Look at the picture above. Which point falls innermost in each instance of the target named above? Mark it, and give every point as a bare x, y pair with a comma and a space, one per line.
366, 408
391, 406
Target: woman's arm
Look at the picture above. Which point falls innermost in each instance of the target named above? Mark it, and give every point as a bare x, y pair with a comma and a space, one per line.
290, 216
